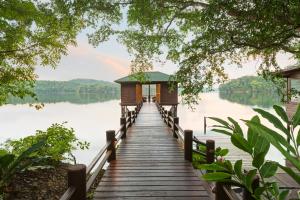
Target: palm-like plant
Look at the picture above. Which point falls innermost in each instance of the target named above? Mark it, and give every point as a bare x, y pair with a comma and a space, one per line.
10, 164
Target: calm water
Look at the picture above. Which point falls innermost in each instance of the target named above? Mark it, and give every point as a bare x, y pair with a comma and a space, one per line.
91, 119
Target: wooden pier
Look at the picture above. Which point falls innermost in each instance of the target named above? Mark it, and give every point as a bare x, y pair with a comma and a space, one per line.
150, 164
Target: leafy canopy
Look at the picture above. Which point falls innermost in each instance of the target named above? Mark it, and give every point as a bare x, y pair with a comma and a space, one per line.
199, 36
36, 32
202, 36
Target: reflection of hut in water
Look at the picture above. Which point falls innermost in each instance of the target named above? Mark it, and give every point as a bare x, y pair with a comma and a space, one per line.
132, 90
292, 76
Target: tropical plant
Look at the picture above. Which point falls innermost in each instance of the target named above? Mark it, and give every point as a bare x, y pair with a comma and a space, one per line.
60, 142
10, 164
257, 143
289, 128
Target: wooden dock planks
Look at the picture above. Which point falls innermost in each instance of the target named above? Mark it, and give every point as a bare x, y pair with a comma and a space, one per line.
150, 165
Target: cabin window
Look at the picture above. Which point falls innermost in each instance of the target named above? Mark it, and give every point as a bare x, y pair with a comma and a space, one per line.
295, 90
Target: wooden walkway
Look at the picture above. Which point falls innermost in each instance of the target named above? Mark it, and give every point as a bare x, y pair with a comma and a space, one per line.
150, 165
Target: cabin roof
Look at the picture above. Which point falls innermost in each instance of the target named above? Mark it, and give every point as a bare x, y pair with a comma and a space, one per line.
150, 77
295, 69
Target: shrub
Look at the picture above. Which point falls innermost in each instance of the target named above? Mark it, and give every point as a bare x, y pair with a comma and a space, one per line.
60, 142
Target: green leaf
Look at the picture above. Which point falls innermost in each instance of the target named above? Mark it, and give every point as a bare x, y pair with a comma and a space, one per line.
283, 195
240, 142
249, 179
216, 176
223, 152
281, 112
222, 131
237, 128
238, 168
296, 117
221, 121
262, 145
290, 172
213, 167
251, 134
298, 138
273, 137
258, 160
268, 169
273, 119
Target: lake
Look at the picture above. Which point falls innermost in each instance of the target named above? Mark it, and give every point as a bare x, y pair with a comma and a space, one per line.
91, 118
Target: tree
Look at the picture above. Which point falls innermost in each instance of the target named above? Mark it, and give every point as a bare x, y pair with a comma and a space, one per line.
201, 36
38, 32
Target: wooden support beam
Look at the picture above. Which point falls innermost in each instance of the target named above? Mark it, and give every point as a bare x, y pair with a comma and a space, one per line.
111, 138
188, 145
77, 180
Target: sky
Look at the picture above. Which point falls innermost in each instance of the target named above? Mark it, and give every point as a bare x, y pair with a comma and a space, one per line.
110, 61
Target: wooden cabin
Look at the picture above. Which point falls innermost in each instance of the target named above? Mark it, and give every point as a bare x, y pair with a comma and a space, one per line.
292, 75
166, 89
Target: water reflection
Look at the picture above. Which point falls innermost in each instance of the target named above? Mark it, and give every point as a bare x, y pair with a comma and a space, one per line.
252, 98
71, 97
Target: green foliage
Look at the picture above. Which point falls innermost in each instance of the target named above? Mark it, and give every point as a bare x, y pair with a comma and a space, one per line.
10, 163
39, 33
60, 141
204, 36
257, 146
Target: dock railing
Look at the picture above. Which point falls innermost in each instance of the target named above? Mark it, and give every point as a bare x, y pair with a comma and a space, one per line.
223, 191
80, 177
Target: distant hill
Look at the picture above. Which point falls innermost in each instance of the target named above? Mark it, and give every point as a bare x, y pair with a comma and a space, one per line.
250, 90
74, 91
248, 84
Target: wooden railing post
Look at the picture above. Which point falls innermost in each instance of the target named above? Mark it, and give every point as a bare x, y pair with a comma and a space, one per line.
77, 179
123, 123
176, 122
110, 137
169, 121
133, 116
255, 184
220, 193
166, 115
210, 151
188, 145
129, 115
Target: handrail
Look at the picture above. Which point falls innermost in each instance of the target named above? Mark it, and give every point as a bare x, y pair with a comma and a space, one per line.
68, 193
197, 141
230, 193
96, 159
179, 128
91, 180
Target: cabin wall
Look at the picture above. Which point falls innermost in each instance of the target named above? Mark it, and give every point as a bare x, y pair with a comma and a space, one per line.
168, 97
128, 94
296, 75
157, 93
139, 93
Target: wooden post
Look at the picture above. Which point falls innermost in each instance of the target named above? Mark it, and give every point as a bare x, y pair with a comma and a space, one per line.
123, 122
220, 194
149, 97
169, 121
129, 115
111, 138
205, 125
210, 151
176, 121
188, 145
255, 184
165, 115
77, 179
133, 116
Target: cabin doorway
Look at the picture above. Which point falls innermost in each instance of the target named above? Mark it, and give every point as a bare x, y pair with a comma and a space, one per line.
149, 92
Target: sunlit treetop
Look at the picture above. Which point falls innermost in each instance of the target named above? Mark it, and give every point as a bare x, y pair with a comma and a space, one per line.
202, 36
